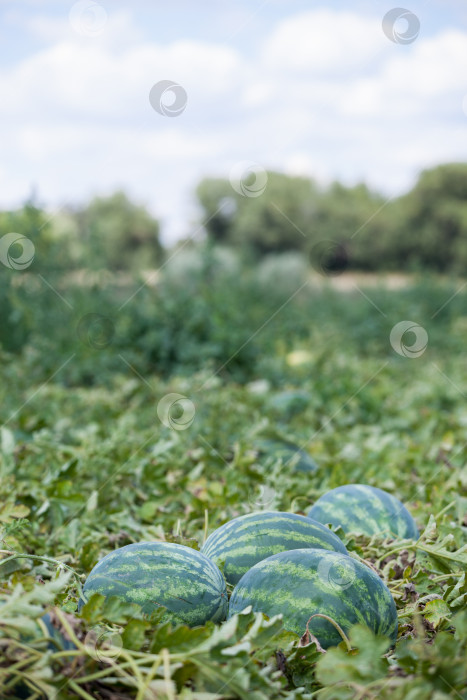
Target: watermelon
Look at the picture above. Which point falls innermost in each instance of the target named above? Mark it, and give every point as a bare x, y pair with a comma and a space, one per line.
57, 639
163, 574
239, 544
290, 454
303, 582
364, 509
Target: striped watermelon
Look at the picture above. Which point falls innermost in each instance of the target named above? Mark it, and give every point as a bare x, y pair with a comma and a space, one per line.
155, 574
239, 544
303, 582
365, 509
290, 454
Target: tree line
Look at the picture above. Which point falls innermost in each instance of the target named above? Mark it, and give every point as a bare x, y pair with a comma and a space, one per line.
354, 226
336, 226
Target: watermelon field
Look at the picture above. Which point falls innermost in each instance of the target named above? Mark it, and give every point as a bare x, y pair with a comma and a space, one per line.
158, 413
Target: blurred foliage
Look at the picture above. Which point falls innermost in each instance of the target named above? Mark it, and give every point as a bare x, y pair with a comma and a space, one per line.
276, 221
335, 227
204, 310
430, 228
424, 229
116, 234
109, 233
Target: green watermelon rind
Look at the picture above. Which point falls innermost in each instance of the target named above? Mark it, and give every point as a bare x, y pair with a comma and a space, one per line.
303, 582
360, 508
163, 574
242, 542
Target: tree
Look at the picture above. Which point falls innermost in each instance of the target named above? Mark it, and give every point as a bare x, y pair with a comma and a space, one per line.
354, 218
219, 206
117, 234
277, 219
433, 233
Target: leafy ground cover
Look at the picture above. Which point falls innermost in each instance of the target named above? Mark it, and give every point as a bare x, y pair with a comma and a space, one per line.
88, 464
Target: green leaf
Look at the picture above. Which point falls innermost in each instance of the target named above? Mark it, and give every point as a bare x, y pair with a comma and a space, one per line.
180, 639
436, 611
300, 665
92, 609
133, 636
8, 511
457, 595
363, 664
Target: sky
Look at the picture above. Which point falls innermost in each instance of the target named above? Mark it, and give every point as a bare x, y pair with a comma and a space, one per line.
326, 90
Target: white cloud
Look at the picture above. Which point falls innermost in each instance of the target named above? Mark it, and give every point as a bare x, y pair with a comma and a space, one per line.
73, 80
324, 42
326, 93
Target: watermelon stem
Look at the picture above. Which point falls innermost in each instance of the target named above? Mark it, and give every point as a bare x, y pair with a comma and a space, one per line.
47, 560
167, 674
452, 574
335, 624
112, 665
79, 691
409, 545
